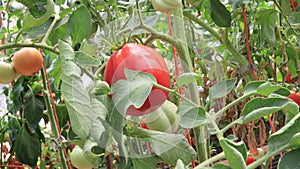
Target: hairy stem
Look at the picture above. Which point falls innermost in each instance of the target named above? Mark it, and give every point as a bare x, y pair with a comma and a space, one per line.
35, 45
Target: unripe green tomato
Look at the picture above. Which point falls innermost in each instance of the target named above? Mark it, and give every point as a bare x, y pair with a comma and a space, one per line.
78, 159
164, 118
7, 73
166, 5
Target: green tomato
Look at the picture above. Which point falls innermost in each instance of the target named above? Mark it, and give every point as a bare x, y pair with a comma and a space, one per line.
7, 73
78, 159
164, 118
165, 5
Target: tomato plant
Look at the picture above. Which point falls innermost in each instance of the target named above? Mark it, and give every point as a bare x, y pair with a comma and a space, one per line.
145, 59
203, 77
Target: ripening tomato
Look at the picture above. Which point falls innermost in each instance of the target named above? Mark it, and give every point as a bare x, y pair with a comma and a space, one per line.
140, 58
27, 61
295, 97
250, 160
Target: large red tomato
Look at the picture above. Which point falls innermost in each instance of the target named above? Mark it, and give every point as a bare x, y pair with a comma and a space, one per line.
145, 59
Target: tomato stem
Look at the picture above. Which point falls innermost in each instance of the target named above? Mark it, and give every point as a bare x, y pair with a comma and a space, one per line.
224, 40
211, 160
53, 117
247, 43
35, 45
51, 27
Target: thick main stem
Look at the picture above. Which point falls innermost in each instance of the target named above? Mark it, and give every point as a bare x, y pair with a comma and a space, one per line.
200, 133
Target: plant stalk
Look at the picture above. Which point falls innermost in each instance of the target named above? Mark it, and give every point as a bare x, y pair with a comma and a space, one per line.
35, 45
201, 133
224, 40
54, 126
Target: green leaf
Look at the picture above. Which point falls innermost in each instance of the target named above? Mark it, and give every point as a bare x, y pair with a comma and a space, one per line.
295, 141
62, 114
221, 89
33, 110
260, 107
99, 115
191, 115
86, 60
31, 21
286, 137
290, 160
85, 54
145, 162
55, 70
133, 91
264, 88
234, 156
219, 14
80, 24
27, 147
170, 147
39, 30
286, 8
92, 152
266, 18
76, 98
186, 78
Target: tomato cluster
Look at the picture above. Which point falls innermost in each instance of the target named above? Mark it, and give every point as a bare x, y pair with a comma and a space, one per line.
139, 58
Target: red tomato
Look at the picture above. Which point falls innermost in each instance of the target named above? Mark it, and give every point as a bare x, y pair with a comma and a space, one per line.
295, 97
145, 59
250, 160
